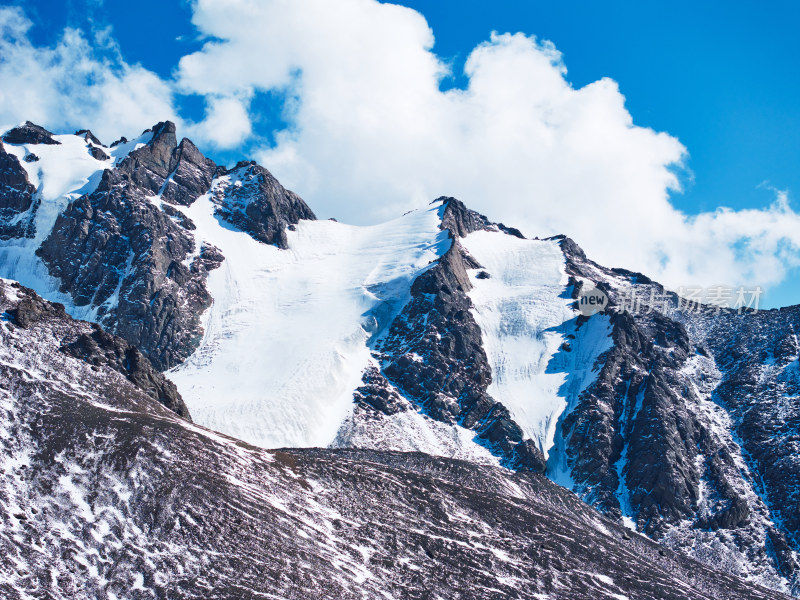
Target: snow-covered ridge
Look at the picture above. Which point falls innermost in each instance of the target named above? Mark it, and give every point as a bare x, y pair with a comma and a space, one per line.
61, 173
286, 339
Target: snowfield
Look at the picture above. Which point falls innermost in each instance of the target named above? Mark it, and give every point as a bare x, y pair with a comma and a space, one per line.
286, 339
525, 319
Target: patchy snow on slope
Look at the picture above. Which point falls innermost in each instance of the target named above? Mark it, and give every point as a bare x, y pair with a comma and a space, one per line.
411, 431
286, 339
541, 360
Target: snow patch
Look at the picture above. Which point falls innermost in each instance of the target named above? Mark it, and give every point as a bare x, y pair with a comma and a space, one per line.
412, 431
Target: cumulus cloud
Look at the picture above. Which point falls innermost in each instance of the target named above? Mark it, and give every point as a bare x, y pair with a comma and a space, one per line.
76, 83
226, 123
371, 131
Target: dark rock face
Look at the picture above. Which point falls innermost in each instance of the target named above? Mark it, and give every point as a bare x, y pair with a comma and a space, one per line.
115, 250
450, 381
31, 309
460, 220
17, 197
134, 259
256, 203
633, 408
39, 323
89, 137
376, 394
98, 153
178, 173
102, 349
650, 432
149, 166
29, 133
108, 492
192, 174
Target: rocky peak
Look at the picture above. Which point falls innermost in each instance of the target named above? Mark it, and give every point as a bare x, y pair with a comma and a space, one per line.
179, 173
192, 174
460, 220
250, 198
88, 136
570, 248
162, 144
149, 166
29, 133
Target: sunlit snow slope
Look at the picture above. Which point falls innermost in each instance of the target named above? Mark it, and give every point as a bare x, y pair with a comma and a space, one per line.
540, 358
285, 341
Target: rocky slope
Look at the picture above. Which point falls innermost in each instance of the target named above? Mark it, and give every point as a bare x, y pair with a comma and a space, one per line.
438, 332
123, 251
106, 493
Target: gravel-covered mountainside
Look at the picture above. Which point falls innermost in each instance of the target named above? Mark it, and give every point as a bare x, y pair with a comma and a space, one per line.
107, 494
439, 332
756, 356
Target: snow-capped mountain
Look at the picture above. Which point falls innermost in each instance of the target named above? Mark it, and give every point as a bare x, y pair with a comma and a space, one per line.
439, 332
107, 494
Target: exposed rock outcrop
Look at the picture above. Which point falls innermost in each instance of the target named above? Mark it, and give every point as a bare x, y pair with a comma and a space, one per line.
17, 197
29, 133
251, 199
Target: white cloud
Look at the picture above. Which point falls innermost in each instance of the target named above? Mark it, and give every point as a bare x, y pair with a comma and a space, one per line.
371, 134
226, 123
75, 84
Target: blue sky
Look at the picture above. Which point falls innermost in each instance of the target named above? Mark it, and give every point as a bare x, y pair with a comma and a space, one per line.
720, 77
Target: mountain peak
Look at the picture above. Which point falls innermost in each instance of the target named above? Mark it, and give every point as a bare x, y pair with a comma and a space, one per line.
461, 221
256, 202
88, 136
29, 133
